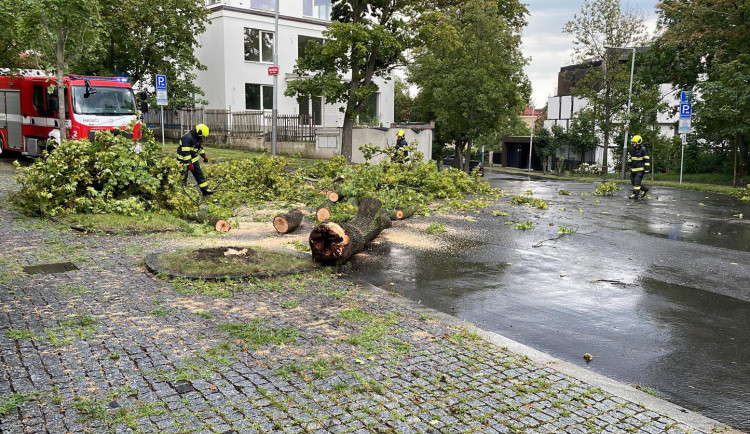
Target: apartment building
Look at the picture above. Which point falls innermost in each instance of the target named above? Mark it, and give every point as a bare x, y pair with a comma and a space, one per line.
238, 49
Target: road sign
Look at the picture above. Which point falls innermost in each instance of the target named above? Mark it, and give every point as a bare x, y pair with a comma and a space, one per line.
273, 70
161, 89
686, 97
684, 126
686, 110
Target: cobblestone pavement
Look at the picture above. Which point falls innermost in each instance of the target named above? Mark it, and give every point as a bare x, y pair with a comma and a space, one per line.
111, 348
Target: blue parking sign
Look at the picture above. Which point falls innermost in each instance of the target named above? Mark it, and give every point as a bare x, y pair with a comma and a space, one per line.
686, 110
161, 82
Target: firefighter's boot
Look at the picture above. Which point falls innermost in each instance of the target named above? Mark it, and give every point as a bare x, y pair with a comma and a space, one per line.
207, 192
644, 191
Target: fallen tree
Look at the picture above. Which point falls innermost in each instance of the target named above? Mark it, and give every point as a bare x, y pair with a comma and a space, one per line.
323, 212
333, 243
286, 223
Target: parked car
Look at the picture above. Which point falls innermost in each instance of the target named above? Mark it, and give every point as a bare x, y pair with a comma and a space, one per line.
474, 165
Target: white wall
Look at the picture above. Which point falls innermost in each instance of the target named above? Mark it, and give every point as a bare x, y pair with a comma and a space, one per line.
387, 138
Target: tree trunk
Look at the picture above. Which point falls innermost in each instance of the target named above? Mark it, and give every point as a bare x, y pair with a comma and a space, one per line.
285, 223
403, 213
346, 138
742, 146
333, 243
60, 55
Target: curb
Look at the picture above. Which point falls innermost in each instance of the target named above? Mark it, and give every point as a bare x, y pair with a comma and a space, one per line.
152, 264
609, 385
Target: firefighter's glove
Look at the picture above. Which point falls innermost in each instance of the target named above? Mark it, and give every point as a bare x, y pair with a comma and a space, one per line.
205, 159
191, 167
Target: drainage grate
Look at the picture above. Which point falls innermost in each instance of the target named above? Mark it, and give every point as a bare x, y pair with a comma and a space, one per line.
59, 267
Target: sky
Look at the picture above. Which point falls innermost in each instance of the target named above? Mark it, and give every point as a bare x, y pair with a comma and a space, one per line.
550, 49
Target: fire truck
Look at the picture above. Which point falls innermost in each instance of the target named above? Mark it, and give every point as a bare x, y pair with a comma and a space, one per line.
29, 109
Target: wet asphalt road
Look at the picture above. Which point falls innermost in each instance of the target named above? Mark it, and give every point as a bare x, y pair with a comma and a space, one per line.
657, 291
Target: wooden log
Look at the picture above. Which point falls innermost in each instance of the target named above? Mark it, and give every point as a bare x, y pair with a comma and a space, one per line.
285, 223
334, 194
323, 212
221, 225
403, 213
333, 243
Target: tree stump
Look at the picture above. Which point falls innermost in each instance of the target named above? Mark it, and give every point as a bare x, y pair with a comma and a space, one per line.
221, 225
334, 194
333, 243
286, 223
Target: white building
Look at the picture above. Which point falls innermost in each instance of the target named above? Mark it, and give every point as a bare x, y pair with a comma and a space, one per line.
562, 108
238, 48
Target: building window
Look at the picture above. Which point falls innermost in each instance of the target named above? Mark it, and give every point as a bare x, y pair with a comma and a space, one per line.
263, 4
310, 110
258, 97
320, 9
258, 45
302, 42
371, 114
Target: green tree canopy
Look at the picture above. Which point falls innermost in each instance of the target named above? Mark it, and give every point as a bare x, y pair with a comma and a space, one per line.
469, 68
61, 32
704, 44
366, 39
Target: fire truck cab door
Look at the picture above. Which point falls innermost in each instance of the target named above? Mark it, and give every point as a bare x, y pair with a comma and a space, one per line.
10, 118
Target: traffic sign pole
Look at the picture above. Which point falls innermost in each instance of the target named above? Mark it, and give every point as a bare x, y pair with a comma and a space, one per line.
682, 155
161, 99
684, 125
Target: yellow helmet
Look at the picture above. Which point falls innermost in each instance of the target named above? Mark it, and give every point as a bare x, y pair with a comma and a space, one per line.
636, 139
400, 133
202, 130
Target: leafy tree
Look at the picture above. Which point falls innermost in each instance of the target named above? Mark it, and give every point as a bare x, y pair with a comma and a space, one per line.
582, 133
599, 26
142, 38
366, 40
469, 69
10, 47
403, 102
704, 45
61, 32
545, 144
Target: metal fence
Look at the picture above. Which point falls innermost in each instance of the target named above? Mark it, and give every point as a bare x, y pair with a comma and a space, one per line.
225, 124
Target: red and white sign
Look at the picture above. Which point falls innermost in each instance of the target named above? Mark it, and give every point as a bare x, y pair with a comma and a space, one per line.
273, 70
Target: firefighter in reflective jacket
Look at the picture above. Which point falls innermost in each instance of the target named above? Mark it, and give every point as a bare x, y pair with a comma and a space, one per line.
640, 164
190, 151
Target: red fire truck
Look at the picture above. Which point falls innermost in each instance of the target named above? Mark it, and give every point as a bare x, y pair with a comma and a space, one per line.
29, 109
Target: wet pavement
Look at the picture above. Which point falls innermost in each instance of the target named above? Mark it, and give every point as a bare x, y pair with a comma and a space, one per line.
656, 290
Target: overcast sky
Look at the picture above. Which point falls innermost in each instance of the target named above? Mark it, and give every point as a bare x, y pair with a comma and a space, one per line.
550, 49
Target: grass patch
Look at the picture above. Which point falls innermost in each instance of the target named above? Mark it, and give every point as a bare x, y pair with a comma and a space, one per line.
435, 229
9, 403
118, 222
215, 263
255, 334
19, 334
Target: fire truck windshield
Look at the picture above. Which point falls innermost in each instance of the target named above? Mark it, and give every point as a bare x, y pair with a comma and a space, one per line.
112, 101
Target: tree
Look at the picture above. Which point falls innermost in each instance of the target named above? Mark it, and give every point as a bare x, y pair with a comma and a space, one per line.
469, 69
60, 32
582, 133
403, 102
142, 38
10, 47
599, 26
366, 39
704, 45
545, 144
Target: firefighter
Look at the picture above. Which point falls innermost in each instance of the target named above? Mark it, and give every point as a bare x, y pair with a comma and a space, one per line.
190, 151
640, 164
401, 153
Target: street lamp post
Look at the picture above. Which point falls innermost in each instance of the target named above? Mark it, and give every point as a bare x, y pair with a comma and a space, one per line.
627, 119
275, 110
